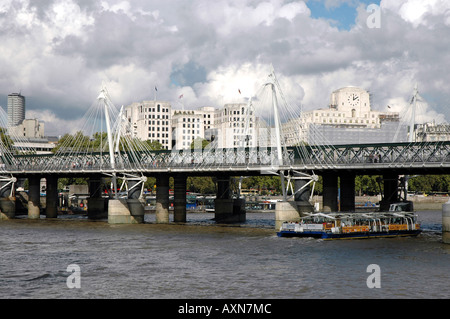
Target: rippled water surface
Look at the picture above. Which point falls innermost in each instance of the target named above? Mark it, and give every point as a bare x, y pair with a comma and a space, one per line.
204, 260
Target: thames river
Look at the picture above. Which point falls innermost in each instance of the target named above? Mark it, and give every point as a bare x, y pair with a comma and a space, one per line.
201, 259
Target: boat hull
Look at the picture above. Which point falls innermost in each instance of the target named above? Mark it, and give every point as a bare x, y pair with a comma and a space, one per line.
333, 236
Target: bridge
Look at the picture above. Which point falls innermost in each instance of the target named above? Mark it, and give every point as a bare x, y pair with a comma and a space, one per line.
115, 156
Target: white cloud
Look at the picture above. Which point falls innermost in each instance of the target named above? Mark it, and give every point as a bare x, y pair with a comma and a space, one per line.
418, 12
58, 52
67, 18
53, 124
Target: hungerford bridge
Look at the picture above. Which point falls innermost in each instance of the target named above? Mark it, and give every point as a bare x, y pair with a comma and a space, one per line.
129, 161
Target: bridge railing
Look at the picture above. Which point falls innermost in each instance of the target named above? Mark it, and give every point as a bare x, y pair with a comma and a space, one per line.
311, 156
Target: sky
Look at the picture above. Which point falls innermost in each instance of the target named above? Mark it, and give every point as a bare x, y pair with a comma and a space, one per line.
59, 53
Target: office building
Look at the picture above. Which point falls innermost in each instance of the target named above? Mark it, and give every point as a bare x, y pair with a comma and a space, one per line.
349, 119
16, 109
151, 120
186, 127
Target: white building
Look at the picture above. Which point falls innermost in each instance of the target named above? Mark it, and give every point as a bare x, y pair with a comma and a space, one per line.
348, 119
235, 126
29, 128
151, 120
209, 116
349, 107
432, 132
186, 127
231, 126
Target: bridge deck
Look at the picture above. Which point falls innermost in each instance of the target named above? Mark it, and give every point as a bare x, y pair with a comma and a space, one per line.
404, 157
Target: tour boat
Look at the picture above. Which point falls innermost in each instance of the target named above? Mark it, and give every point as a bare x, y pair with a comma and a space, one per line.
352, 225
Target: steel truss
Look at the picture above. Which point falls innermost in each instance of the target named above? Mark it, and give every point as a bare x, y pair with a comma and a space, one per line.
344, 156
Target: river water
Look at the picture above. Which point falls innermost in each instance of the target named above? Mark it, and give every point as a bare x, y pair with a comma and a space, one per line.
204, 260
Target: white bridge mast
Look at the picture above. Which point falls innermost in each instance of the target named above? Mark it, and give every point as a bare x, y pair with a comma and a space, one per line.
272, 81
413, 116
103, 97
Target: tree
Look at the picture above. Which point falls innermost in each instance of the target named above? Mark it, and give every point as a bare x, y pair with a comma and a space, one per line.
366, 184
69, 142
154, 145
203, 185
197, 141
429, 183
63, 182
6, 140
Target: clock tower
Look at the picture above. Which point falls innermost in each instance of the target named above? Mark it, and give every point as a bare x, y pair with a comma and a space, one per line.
351, 100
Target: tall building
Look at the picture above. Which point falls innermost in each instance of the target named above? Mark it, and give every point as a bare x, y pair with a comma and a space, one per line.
16, 109
151, 120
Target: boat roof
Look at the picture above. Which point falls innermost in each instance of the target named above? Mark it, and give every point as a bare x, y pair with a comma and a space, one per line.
360, 215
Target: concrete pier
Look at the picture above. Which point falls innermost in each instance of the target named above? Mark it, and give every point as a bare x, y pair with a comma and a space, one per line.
97, 206
390, 191
34, 197
302, 197
330, 192
119, 212
347, 185
446, 222
135, 203
227, 209
162, 199
51, 197
7, 202
179, 205
128, 210
286, 211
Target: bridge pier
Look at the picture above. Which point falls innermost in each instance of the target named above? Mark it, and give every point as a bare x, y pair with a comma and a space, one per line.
347, 185
162, 199
95, 202
34, 197
135, 203
330, 192
390, 191
302, 197
179, 204
227, 209
51, 197
127, 210
286, 211
446, 222
294, 210
7, 202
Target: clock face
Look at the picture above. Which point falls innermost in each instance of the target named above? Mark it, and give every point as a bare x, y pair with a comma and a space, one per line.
353, 99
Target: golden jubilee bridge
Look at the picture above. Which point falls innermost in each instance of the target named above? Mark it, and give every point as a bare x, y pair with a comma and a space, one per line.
124, 163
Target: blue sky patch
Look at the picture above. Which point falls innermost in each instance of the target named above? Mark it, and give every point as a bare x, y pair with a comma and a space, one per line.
344, 14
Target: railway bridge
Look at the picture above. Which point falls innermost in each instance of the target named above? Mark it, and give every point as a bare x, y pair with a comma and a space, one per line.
118, 157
